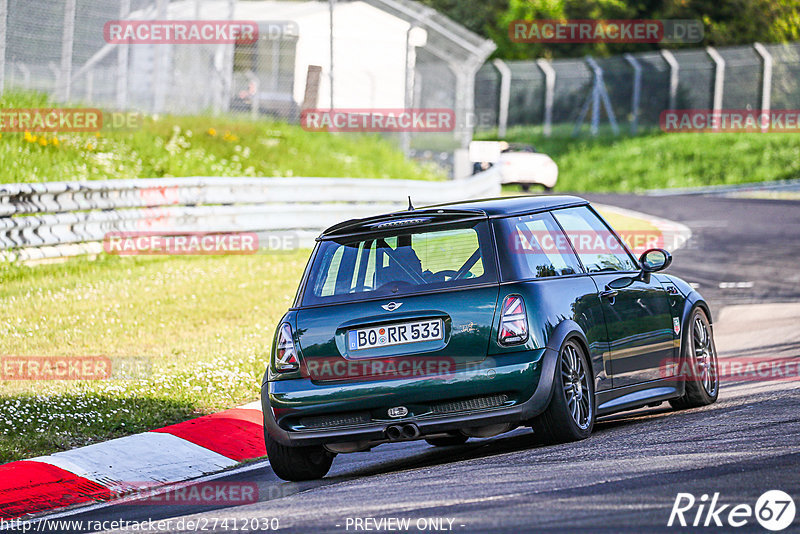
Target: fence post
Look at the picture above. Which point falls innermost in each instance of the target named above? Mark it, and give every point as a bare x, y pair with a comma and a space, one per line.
719, 80
505, 96
637, 91
766, 82
549, 88
331, 9
122, 61
669, 57
159, 62
3, 21
67, 41
227, 79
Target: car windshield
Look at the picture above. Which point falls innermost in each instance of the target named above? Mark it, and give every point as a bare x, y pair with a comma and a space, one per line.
400, 263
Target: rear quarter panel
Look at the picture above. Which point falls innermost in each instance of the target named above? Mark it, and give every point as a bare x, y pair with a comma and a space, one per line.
550, 302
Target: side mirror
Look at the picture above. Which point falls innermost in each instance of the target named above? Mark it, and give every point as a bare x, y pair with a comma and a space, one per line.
655, 259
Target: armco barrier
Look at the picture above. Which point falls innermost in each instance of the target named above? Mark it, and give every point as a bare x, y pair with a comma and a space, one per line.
55, 219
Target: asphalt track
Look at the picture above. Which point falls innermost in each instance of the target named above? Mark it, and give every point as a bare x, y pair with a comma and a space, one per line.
744, 255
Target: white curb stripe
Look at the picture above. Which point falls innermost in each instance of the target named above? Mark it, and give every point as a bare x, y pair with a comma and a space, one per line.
139, 461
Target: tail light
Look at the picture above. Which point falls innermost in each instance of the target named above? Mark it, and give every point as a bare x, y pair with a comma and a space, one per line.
286, 353
513, 321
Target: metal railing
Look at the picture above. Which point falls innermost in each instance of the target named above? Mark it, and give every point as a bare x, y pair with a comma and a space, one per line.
59, 219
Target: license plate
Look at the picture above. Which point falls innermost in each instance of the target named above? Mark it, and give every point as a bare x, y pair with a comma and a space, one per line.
395, 334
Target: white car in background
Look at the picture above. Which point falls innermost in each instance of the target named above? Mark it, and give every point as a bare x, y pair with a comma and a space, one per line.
518, 164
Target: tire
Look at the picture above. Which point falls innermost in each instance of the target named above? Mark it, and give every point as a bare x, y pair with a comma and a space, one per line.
699, 364
571, 413
448, 441
298, 463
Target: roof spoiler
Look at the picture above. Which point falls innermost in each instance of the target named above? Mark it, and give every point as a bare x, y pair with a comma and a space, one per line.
388, 222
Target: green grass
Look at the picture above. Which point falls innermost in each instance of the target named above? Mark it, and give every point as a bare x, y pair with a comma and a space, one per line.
196, 146
191, 334
656, 160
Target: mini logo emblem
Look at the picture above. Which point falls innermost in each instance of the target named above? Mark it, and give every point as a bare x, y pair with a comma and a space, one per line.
676, 325
392, 306
398, 411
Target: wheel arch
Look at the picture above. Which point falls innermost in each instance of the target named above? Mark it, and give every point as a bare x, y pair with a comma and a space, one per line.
565, 331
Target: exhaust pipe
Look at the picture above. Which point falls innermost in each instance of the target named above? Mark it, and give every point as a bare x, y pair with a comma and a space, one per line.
394, 432
402, 432
410, 431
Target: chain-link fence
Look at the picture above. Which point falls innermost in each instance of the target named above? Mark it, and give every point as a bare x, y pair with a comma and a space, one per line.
63, 49
341, 54
757, 77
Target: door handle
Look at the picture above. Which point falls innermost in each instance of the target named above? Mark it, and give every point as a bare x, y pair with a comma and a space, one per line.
609, 293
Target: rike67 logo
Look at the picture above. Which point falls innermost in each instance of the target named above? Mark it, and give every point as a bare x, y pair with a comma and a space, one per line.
774, 510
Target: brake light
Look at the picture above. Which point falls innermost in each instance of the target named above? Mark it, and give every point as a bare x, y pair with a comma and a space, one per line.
286, 354
513, 321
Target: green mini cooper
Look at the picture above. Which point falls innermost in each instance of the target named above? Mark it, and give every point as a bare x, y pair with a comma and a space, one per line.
471, 319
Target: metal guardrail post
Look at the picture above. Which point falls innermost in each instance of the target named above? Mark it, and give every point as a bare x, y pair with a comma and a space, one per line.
549, 89
719, 80
637, 91
766, 81
505, 96
669, 57
3, 22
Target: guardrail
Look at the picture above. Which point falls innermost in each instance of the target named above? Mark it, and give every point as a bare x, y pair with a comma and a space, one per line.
58, 219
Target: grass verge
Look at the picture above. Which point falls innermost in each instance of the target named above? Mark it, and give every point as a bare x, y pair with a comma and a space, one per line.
196, 146
656, 160
196, 331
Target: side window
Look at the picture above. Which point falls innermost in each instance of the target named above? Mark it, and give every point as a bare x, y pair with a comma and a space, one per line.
596, 245
534, 247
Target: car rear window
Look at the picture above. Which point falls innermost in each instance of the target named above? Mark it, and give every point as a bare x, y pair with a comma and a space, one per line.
401, 263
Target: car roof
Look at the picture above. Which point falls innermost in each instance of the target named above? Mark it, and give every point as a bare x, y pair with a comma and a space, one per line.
483, 208
506, 206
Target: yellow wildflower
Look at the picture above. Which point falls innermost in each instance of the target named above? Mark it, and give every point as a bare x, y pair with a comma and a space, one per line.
212, 131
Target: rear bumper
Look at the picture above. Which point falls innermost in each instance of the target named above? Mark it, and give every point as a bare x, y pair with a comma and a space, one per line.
525, 379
